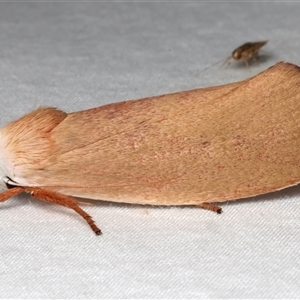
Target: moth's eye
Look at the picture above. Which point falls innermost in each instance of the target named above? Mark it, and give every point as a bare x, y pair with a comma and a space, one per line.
236, 54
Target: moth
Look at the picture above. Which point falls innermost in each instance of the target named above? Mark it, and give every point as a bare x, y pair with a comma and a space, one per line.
194, 147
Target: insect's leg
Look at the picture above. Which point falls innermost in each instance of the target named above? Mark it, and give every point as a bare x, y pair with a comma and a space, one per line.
246, 62
63, 200
11, 193
254, 58
211, 207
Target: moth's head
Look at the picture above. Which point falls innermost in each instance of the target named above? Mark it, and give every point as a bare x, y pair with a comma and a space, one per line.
2, 184
6, 168
3, 181
3, 177
6, 183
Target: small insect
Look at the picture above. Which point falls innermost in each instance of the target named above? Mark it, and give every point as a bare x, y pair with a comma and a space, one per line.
243, 53
247, 51
193, 147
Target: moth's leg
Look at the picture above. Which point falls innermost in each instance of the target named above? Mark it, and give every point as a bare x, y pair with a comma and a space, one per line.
63, 200
11, 193
211, 207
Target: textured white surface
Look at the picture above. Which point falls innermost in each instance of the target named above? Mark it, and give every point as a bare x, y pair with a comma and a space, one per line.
80, 55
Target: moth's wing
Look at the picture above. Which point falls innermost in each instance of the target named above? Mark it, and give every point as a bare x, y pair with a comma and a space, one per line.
136, 151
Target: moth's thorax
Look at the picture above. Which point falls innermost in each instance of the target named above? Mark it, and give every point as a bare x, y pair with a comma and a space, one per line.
6, 166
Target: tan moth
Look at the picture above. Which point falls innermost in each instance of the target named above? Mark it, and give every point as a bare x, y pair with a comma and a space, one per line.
193, 147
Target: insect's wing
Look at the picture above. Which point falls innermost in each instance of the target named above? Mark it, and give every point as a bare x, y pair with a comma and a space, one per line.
145, 151
256, 46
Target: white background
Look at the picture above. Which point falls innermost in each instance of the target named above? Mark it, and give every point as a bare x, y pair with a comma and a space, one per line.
80, 55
